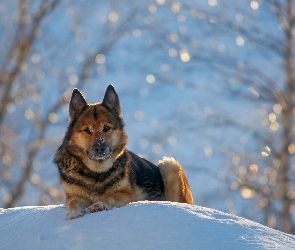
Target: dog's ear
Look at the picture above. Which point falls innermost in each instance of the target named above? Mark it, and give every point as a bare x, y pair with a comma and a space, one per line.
111, 100
77, 104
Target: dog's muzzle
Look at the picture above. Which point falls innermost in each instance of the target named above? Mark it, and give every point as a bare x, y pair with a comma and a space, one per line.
99, 151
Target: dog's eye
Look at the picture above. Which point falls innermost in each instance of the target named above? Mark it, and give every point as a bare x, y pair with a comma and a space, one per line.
87, 130
106, 128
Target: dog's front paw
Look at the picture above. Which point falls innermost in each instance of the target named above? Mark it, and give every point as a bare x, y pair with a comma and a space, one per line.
76, 213
98, 206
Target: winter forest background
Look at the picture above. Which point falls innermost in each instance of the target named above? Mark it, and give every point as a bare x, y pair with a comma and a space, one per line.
209, 82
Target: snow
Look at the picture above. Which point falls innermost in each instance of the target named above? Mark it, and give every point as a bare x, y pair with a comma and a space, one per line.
140, 225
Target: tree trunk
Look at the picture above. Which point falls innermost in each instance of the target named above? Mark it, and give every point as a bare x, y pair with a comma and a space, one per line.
287, 122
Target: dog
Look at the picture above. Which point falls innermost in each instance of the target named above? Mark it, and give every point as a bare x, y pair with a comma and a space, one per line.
96, 170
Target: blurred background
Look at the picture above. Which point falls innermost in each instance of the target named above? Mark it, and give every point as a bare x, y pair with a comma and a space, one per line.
210, 82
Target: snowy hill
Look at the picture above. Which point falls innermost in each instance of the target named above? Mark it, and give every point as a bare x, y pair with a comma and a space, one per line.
142, 225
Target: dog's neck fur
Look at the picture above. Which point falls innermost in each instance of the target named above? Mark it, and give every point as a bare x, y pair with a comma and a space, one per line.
99, 166
72, 171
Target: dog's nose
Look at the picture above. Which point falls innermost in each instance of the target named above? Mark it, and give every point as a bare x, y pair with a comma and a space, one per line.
99, 148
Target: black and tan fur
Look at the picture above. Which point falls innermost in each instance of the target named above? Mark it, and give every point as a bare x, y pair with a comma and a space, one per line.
98, 172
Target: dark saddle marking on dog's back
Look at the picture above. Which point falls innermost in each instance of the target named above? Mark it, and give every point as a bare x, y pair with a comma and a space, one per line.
147, 176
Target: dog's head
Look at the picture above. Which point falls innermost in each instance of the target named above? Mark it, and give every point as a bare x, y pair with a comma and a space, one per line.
97, 130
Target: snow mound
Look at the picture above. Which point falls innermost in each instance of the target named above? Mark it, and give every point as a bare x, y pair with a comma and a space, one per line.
140, 225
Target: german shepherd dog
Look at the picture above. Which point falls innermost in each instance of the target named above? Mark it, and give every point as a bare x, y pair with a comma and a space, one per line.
98, 172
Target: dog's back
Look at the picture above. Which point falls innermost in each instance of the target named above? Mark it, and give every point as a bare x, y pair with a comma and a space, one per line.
147, 176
